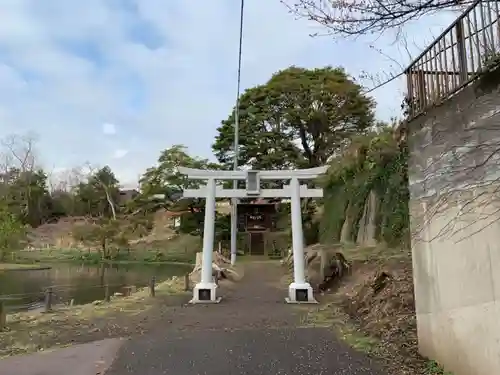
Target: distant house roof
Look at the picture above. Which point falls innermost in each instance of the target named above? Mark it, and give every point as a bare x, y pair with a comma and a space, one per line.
127, 195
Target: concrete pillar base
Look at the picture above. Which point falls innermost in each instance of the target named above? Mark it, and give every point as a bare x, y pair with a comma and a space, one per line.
205, 293
300, 293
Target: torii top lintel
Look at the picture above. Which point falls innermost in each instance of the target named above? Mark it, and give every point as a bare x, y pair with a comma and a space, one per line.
301, 174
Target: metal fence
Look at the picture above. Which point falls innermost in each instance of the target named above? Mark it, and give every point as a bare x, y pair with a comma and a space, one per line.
468, 47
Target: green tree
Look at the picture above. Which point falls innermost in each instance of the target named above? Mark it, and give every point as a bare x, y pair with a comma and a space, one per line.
63, 203
28, 196
165, 178
99, 195
108, 235
12, 231
299, 118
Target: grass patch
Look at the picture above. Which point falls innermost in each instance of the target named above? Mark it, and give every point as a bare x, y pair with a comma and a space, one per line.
137, 302
180, 249
18, 266
376, 254
433, 368
330, 315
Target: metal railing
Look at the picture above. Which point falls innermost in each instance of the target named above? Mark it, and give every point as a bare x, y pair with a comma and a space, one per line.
467, 48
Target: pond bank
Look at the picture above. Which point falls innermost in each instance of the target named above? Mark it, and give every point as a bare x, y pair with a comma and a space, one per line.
22, 267
78, 284
93, 257
28, 332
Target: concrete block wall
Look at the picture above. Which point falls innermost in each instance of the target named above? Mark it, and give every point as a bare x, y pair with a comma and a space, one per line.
454, 178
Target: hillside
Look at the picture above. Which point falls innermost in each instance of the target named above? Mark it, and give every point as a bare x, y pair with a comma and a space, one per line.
365, 217
59, 234
366, 193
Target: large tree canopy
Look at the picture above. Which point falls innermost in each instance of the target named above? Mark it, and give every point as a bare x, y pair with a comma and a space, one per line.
298, 118
99, 194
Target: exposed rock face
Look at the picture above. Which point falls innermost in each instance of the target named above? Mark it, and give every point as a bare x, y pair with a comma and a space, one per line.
324, 265
220, 268
367, 224
345, 233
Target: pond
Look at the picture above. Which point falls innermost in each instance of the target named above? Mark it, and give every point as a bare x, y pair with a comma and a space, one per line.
80, 284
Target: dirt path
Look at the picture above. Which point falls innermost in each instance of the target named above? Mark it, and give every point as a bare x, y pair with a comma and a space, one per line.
251, 332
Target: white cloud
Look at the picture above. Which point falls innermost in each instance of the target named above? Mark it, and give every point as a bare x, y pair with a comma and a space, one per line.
119, 153
108, 128
165, 71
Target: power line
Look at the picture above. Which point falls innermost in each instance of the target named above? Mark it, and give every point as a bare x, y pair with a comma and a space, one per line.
234, 211
238, 87
385, 82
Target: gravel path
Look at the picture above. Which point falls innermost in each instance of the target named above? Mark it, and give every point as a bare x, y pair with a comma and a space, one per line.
252, 331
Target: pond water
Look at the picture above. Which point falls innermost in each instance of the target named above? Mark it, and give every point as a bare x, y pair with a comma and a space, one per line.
23, 289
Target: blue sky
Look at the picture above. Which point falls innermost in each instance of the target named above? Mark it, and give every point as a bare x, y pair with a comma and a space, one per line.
117, 81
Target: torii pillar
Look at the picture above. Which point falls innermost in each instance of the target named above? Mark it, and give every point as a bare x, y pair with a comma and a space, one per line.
299, 291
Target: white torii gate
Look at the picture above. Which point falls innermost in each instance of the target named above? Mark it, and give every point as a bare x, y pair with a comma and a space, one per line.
299, 290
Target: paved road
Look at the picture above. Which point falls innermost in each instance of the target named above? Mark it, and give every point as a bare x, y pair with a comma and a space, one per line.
85, 359
307, 351
251, 332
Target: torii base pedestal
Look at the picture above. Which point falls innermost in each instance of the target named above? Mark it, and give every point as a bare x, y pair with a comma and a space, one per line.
205, 293
300, 293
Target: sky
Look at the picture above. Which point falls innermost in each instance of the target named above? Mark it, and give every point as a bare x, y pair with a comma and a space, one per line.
115, 82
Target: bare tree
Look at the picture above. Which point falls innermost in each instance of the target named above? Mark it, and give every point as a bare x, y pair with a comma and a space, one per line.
364, 17
67, 179
456, 183
18, 151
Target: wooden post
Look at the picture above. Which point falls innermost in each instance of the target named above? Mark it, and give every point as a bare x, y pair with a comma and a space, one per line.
48, 299
186, 282
322, 254
152, 285
107, 296
421, 90
461, 52
3, 315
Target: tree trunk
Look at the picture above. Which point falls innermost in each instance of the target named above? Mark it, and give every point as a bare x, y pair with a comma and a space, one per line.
102, 273
110, 202
103, 248
367, 224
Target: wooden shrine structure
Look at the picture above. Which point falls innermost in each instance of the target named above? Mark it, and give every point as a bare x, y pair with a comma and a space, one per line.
256, 219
